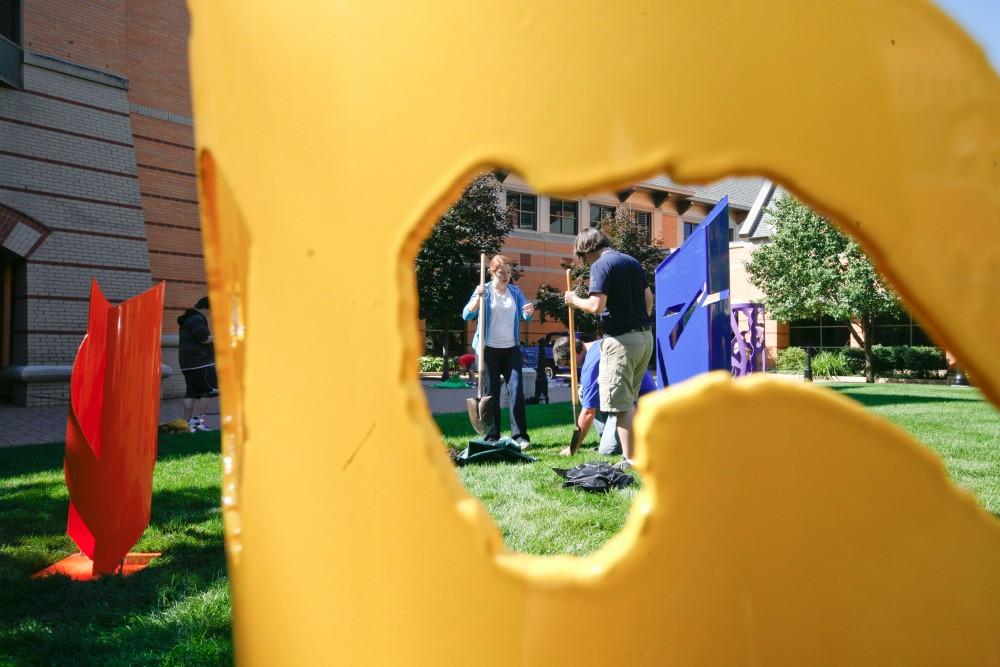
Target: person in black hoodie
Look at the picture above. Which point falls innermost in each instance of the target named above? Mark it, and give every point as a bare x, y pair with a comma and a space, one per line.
196, 357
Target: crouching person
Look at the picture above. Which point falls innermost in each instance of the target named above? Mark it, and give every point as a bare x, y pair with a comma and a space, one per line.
590, 399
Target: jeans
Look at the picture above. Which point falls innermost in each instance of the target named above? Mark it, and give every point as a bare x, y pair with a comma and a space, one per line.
606, 424
505, 362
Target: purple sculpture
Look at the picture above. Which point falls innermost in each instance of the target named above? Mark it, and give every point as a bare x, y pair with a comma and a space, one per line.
748, 339
693, 334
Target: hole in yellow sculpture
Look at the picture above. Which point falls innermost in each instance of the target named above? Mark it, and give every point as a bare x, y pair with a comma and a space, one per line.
522, 241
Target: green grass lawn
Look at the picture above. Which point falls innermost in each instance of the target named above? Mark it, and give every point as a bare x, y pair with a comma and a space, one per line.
177, 611
534, 512
955, 422
537, 516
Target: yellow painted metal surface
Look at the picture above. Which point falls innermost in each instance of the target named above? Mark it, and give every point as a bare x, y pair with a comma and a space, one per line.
331, 136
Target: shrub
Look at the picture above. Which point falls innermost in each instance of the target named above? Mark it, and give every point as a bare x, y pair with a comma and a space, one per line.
792, 359
431, 364
854, 359
827, 364
921, 361
916, 361
886, 359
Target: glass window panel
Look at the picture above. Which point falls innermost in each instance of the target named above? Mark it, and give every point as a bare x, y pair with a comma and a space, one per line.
899, 335
645, 219
524, 206
803, 336
836, 336
920, 337
9, 18
562, 216
902, 318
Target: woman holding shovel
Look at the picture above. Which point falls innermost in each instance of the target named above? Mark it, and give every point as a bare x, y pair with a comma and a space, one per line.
504, 306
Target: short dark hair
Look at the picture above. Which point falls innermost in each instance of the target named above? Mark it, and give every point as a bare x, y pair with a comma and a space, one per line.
202, 304
560, 349
590, 240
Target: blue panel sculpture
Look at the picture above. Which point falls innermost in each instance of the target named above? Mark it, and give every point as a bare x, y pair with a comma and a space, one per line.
693, 333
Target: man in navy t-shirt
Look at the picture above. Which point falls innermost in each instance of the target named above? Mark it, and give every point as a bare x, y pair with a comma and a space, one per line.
590, 412
620, 295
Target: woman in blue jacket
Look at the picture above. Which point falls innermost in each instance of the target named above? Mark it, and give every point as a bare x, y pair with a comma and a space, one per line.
505, 307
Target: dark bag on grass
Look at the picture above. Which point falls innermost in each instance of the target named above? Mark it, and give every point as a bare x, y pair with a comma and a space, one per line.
594, 477
503, 450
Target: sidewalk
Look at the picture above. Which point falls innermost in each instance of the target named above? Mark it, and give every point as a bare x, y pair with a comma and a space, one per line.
453, 400
29, 426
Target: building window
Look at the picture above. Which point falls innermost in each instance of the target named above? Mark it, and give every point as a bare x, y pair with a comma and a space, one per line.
562, 216
10, 43
523, 210
689, 228
819, 333
644, 220
434, 341
598, 212
901, 330
827, 333
732, 234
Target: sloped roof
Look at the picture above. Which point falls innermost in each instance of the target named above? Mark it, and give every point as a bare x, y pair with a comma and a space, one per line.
742, 191
759, 223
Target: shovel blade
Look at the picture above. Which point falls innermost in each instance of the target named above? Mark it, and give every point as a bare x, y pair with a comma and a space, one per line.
472, 405
486, 412
575, 441
480, 413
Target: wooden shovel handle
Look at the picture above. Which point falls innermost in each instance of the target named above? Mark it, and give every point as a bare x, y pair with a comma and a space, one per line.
482, 329
572, 347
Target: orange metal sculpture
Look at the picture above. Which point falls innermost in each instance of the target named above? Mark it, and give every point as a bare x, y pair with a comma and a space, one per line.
111, 429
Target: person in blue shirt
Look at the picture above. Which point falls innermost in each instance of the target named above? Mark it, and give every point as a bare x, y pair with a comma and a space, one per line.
620, 295
590, 402
505, 307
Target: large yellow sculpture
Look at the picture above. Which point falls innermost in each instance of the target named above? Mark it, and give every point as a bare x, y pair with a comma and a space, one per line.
331, 136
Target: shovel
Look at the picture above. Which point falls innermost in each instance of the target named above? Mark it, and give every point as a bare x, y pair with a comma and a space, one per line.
575, 441
481, 407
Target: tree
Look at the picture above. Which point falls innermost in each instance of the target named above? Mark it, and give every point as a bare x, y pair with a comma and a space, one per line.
447, 265
627, 236
811, 270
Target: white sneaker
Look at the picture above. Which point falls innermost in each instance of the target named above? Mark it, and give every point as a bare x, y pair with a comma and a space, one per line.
199, 424
623, 466
192, 426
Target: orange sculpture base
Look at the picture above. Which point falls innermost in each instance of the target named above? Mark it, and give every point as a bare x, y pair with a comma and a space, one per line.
81, 568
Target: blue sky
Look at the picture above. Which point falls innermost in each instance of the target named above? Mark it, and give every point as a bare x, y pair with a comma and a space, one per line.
981, 19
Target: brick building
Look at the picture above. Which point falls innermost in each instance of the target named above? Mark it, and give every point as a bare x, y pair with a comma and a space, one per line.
545, 228
97, 177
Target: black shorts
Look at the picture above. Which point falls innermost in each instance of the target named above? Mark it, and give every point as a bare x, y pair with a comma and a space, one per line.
201, 383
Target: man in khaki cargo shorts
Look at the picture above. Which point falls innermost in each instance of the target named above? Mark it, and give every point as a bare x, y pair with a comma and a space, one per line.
620, 294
